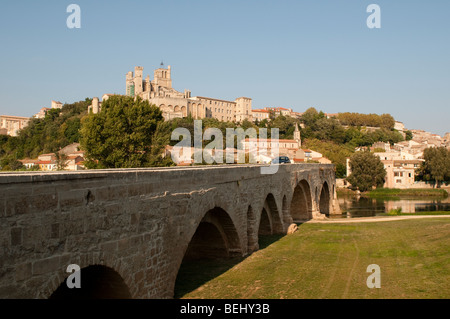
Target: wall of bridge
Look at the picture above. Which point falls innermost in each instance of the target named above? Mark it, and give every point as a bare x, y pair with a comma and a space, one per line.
140, 222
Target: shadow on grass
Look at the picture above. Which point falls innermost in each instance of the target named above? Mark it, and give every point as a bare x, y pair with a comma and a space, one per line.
194, 274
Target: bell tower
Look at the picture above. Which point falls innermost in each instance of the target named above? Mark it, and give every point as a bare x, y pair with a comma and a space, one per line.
297, 136
162, 77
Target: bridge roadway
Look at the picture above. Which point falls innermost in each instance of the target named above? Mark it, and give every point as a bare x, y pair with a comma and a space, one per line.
130, 229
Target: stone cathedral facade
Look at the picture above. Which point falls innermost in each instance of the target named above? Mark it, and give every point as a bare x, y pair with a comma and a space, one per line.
173, 103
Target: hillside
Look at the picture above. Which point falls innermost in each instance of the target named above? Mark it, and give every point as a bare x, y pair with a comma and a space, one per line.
59, 128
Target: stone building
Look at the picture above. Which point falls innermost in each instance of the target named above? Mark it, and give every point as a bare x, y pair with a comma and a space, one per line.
42, 113
277, 111
400, 173
260, 115
57, 105
12, 124
175, 104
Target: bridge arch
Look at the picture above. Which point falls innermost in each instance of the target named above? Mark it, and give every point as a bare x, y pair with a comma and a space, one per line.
270, 221
324, 201
215, 236
97, 282
301, 204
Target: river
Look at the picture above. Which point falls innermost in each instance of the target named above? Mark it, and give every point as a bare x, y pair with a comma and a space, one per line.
353, 206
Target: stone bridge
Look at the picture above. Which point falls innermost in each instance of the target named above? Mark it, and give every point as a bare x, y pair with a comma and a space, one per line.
130, 230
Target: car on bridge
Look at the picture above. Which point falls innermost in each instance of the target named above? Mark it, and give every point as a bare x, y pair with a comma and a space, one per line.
281, 160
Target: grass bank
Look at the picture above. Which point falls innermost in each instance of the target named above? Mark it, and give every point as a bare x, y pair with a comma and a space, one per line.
330, 261
392, 193
395, 193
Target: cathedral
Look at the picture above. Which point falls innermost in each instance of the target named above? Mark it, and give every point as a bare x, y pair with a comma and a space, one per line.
175, 104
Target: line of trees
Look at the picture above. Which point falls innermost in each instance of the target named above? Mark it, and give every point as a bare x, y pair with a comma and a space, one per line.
374, 120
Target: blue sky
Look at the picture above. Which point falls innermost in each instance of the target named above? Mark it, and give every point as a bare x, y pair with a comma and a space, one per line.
298, 54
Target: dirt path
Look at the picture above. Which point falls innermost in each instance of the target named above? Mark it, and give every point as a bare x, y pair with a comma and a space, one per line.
375, 219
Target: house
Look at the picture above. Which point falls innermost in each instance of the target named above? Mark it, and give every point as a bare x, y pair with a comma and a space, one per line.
74, 163
400, 173
47, 165
29, 163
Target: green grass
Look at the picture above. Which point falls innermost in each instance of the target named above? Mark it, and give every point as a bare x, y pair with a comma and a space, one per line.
330, 261
393, 193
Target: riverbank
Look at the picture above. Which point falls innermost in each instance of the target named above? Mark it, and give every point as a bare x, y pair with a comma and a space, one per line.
329, 260
395, 193
384, 218
407, 193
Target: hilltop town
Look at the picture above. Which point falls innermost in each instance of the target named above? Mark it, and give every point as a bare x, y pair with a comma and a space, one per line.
400, 159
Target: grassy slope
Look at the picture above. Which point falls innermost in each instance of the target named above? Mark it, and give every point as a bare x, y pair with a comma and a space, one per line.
330, 261
393, 192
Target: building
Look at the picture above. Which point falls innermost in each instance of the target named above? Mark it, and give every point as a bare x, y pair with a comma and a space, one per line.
74, 163
400, 173
56, 105
48, 162
42, 113
175, 104
29, 163
399, 163
286, 147
260, 115
277, 111
13, 124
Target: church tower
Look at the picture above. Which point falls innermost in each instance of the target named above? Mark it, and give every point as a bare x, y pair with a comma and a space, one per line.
162, 77
297, 136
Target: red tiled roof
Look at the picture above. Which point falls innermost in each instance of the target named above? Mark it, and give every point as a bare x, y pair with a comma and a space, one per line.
265, 140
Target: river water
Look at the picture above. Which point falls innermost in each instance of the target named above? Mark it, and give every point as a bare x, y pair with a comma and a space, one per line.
353, 206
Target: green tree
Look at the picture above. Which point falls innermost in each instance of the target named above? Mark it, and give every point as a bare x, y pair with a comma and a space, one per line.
120, 136
408, 135
436, 166
61, 161
367, 171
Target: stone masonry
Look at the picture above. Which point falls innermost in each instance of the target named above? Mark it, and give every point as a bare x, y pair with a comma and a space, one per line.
140, 222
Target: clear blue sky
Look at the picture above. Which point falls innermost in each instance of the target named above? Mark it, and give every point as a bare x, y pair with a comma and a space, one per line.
297, 54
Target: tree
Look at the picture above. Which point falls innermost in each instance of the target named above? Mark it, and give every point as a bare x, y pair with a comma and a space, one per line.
61, 161
120, 136
367, 171
408, 135
436, 165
